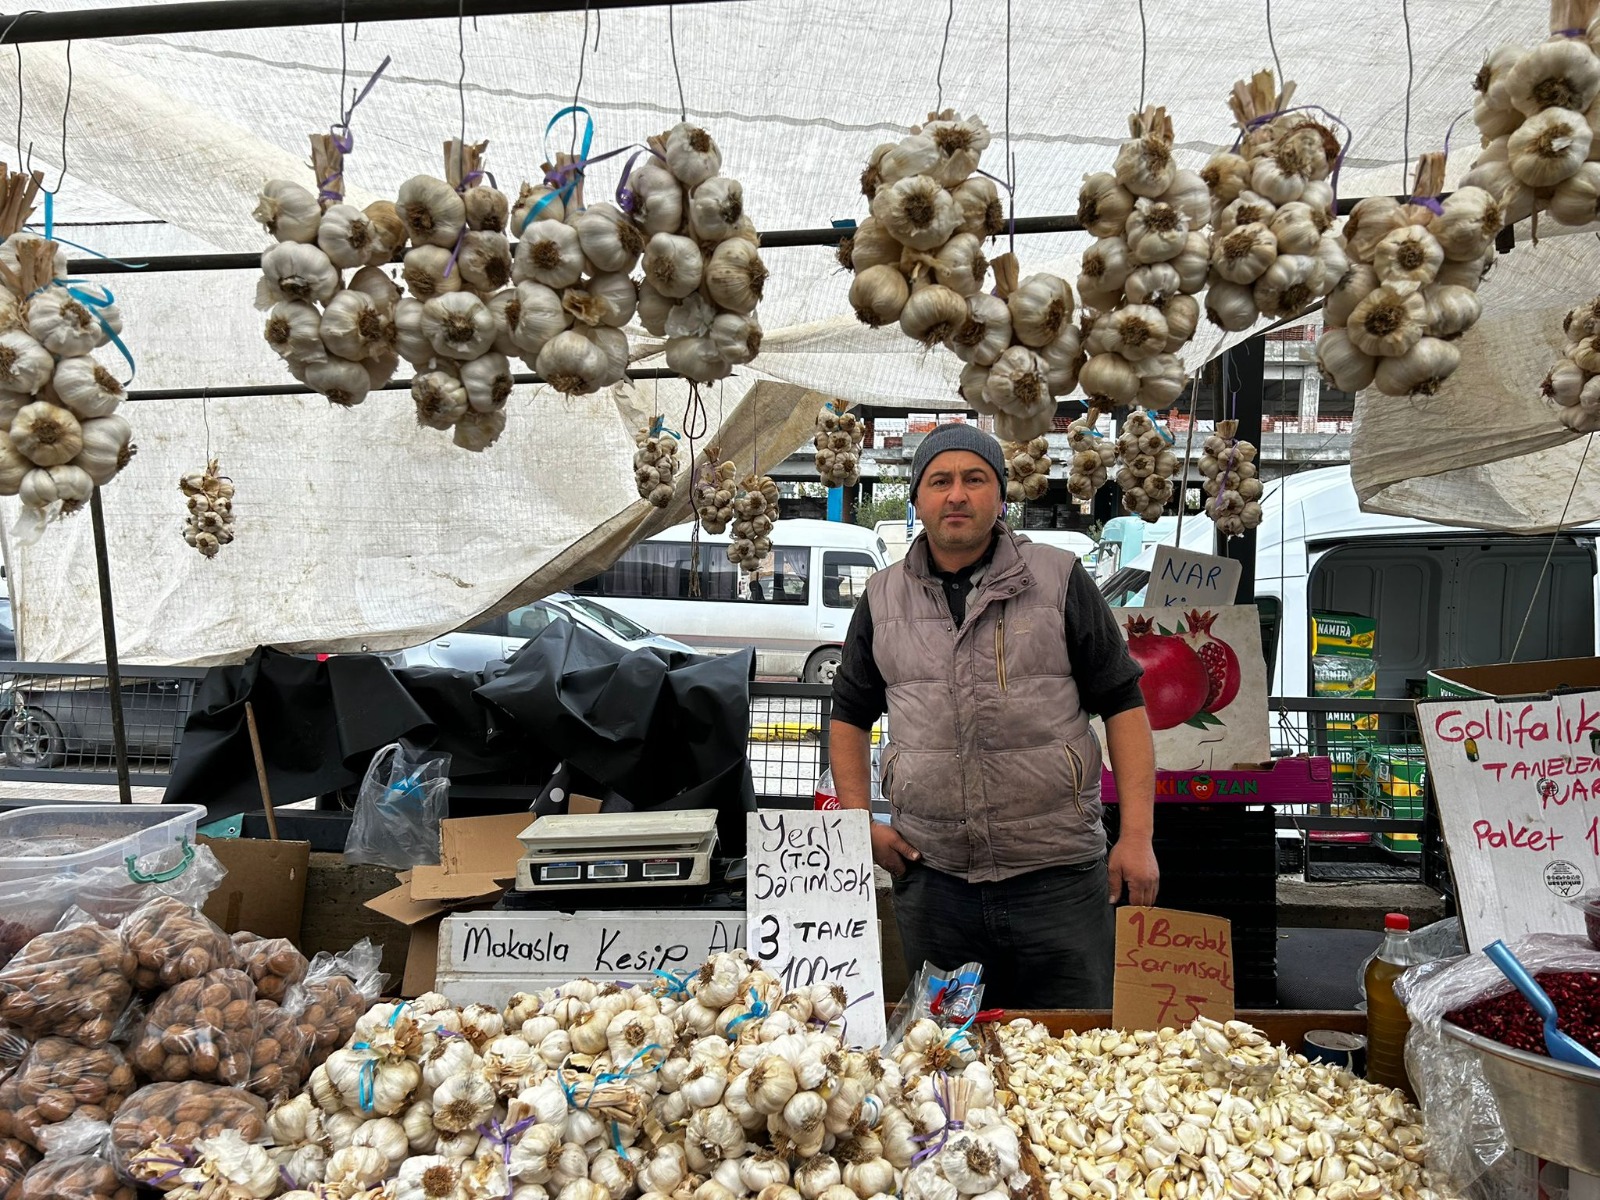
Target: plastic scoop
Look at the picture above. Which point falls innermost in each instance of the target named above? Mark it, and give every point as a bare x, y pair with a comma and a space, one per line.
1560, 1045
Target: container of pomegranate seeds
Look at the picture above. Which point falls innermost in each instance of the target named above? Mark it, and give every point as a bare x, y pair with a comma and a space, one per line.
1589, 905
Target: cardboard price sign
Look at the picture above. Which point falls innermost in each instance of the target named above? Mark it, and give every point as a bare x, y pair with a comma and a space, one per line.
811, 910
1185, 577
1518, 787
1172, 966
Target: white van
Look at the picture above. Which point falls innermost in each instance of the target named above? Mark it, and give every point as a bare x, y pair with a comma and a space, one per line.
794, 610
1442, 596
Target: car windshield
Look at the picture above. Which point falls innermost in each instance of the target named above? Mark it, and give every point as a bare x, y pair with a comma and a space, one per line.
608, 617
1126, 588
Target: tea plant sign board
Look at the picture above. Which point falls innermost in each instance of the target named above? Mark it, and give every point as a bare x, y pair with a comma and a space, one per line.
1204, 684
1188, 579
812, 911
1518, 786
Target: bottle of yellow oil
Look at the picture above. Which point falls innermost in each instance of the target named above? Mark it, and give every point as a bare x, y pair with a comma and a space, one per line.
1387, 1022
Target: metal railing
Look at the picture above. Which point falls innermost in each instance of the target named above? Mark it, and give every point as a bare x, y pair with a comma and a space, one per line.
55, 721
55, 727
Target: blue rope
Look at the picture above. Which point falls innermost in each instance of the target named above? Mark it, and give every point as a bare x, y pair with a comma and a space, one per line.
758, 1009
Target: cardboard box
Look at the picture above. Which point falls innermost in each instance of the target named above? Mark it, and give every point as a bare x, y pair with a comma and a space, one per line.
1398, 771
1515, 679
477, 859
265, 888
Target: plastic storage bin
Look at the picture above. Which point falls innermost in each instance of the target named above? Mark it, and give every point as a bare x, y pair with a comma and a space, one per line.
68, 839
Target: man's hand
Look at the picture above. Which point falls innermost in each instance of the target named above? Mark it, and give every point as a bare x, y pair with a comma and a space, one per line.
1132, 862
891, 851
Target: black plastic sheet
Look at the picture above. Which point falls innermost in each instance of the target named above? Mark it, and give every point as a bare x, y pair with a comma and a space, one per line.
651, 730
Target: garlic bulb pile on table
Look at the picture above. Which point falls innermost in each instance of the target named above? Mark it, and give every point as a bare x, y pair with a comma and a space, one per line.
1092, 456
1537, 111
838, 444
460, 323
755, 511
209, 496
918, 259
1229, 465
1273, 249
1572, 386
58, 404
703, 274
1027, 469
1411, 291
655, 465
713, 492
336, 336
1139, 280
1148, 466
1210, 1110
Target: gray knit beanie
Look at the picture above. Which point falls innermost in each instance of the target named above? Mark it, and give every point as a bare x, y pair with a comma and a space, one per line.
957, 436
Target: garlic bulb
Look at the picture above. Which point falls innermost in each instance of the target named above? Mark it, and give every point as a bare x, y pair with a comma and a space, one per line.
431, 211
735, 276
62, 324
1387, 322
672, 265
715, 209
933, 314
428, 273
713, 495
457, 325
1228, 464
755, 511
343, 383
691, 154
1548, 147
1571, 386
1408, 255
526, 317
350, 239
573, 364
294, 271
484, 260
549, 253
288, 211
440, 399
353, 327
1040, 308
208, 523
986, 333
46, 434
879, 294
477, 431
1419, 371
1341, 365
87, 388
917, 212
1104, 205
609, 240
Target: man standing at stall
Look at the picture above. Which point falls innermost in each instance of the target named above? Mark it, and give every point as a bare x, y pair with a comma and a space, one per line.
990, 653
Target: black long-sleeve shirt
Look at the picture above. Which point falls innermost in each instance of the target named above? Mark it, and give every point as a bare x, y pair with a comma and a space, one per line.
1107, 676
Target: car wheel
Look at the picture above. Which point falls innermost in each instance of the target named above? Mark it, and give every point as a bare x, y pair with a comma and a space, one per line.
32, 740
822, 666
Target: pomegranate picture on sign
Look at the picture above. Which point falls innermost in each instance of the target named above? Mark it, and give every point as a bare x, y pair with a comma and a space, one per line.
1190, 674
1221, 663
1175, 681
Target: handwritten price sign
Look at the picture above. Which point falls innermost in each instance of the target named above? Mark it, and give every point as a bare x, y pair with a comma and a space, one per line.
1518, 786
1172, 966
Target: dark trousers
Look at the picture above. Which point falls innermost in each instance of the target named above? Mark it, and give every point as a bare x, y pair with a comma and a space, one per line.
1046, 939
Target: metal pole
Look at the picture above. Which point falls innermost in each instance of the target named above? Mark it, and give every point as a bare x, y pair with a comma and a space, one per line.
108, 626
1244, 370
299, 389
771, 239
205, 16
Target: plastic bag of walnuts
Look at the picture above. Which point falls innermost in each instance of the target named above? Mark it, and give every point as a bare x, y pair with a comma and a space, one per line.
58, 1079
76, 1166
16, 1158
280, 1060
275, 964
71, 982
339, 989
174, 942
171, 1116
201, 1029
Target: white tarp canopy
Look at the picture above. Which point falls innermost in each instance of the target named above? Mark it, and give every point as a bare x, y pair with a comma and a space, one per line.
357, 529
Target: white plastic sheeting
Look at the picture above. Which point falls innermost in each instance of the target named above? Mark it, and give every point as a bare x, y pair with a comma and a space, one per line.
358, 529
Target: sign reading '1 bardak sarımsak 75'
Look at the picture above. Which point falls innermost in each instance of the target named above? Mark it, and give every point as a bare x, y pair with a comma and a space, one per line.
1518, 788
812, 909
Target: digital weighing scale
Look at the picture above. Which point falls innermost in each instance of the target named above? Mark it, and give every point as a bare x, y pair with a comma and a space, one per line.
583, 851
